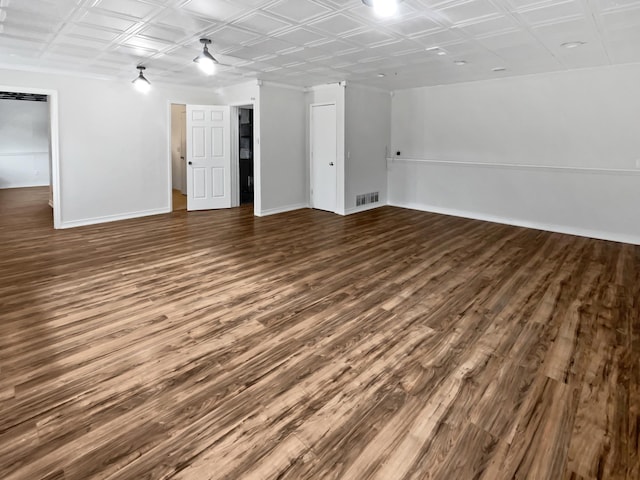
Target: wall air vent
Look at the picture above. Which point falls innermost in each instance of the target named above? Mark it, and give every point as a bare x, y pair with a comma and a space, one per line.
367, 198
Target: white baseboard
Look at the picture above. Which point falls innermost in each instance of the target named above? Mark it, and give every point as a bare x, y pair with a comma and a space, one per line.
364, 208
113, 218
286, 208
611, 236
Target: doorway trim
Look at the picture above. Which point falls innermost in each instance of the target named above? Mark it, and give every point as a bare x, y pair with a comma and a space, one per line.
235, 154
54, 140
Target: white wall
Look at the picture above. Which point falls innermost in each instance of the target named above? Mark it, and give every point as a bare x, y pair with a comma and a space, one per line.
178, 166
283, 166
24, 143
331, 93
114, 144
367, 132
558, 151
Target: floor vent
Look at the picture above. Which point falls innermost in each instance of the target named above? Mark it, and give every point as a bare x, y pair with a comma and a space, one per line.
367, 198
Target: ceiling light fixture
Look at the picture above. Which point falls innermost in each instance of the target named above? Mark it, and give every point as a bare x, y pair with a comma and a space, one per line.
572, 44
436, 50
381, 75
460, 62
499, 69
142, 84
205, 60
383, 8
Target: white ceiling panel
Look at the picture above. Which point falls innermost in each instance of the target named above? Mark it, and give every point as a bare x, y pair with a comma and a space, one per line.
133, 8
166, 34
95, 18
468, 12
553, 13
617, 4
338, 24
307, 42
370, 37
491, 26
300, 11
217, 10
302, 36
414, 26
443, 37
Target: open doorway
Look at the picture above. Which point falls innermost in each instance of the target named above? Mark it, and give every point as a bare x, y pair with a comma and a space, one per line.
29, 150
178, 156
245, 155
212, 153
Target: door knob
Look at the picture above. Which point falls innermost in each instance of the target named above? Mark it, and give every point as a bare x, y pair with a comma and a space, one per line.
190, 163
331, 164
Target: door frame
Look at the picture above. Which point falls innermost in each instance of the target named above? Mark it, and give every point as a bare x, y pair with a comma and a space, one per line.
235, 154
54, 145
311, 107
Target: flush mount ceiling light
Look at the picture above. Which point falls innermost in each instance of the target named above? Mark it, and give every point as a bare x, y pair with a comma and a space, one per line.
460, 62
381, 75
436, 50
205, 60
383, 8
572, 44
499, 69
142, 84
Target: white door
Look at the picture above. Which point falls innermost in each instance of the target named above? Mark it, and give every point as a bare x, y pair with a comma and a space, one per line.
324, 152
208, 157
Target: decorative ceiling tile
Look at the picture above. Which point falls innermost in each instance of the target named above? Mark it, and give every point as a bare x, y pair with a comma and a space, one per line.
468, 12
218, 10
180, 19
166, 34
91, 18
307, 42
300, 11
229, 36
132, 8
551, 13
369, 38
618, 4
435, 39
146, 43
414, 26
262, 23
301, 36
490, 26
338, 24
92, 32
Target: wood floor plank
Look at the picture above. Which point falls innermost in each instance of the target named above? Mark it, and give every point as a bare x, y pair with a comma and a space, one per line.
391, 344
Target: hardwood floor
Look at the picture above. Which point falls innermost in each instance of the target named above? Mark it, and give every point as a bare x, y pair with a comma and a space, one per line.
179, 200
391, 344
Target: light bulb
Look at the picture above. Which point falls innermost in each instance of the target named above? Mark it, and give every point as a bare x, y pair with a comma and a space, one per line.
142, 85
140, 82
207, 65
385, 8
